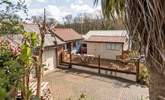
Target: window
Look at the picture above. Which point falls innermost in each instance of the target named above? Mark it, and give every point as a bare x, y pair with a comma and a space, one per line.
113, 46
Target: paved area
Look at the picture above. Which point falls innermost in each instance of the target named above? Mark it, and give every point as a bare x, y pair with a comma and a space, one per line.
69, 84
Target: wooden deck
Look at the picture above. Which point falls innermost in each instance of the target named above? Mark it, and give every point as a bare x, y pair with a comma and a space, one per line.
102, 64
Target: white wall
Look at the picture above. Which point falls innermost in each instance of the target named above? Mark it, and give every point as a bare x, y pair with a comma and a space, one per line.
49, 58
101, 49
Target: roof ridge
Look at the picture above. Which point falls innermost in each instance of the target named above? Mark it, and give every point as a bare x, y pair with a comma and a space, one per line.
107, 30
62, 28
107, 35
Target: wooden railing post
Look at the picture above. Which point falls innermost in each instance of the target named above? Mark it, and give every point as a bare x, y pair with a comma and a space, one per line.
61, 57
137, 69
70, 55
99, 64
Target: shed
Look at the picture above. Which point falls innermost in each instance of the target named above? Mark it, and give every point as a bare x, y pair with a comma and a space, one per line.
108, 44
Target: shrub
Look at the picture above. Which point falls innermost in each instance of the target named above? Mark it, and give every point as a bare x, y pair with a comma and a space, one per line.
144, 75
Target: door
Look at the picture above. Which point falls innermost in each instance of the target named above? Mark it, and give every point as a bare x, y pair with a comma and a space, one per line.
49, 59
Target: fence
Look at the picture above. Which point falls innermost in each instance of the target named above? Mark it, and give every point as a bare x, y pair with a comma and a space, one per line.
130, 66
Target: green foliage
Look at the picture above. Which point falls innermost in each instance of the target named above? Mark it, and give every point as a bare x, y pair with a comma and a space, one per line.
10, 69
3, 93
12, 65
82, 97
26, 55
9, 20
144, 75
30, 42
134, 54
112, 8
35, 98
10, 25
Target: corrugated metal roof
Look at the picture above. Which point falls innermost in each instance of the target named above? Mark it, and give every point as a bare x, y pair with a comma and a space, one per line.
31, 28
106, 33
96, 38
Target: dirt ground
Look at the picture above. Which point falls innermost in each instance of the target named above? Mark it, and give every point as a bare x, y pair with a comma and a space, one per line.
69, 84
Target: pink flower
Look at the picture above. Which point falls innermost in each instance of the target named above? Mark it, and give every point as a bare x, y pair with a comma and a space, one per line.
13, 47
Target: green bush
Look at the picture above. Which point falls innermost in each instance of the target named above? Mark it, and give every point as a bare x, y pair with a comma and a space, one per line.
144, 75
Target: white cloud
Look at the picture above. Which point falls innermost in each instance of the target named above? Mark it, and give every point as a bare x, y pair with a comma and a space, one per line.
56, 12
80, 1
76, 7
52, 11
84, 8
41, 0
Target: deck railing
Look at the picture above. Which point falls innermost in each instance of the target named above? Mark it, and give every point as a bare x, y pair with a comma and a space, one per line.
130, 66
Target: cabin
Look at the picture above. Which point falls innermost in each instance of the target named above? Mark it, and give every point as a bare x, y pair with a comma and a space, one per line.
70, 37
72, 41
107, 43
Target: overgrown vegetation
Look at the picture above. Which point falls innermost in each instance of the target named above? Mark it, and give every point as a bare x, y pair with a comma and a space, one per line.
15, 59
9, 20
145, 22
144, 75
10, 69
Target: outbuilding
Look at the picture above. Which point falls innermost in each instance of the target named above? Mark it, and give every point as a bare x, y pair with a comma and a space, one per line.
108, 44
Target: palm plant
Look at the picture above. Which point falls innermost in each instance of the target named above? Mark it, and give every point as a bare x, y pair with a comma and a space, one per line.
145, 21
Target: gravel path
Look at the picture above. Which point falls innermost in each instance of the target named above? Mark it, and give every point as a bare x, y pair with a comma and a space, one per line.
69, 84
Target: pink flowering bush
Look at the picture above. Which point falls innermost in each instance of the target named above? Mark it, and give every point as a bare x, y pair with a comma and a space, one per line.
10, 68
13, 47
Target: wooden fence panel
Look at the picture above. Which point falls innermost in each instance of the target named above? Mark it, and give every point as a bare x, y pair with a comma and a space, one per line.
130, 67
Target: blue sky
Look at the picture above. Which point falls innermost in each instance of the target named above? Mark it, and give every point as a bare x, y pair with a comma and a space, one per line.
59, 8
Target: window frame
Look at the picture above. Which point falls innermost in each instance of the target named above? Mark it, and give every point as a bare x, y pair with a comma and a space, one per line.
113, 46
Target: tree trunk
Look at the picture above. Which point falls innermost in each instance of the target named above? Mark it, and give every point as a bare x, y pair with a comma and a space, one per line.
157, 86
23, 91
39, 72
27, 85
43, 30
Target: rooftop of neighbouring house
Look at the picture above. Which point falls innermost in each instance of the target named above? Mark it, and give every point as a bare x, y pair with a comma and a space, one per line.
31, 27
67, 34
49, 39
106, 39
106, 33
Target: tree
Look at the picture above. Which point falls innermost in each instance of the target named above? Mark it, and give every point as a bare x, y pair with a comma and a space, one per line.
15, 61
51, 22
85, 22
43, 30
29, 43
45, 25
9, 20
146, 24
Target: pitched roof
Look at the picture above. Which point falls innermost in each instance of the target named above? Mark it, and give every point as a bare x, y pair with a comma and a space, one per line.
49, 39
106, 33
31, 28
106, 39
67, 34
